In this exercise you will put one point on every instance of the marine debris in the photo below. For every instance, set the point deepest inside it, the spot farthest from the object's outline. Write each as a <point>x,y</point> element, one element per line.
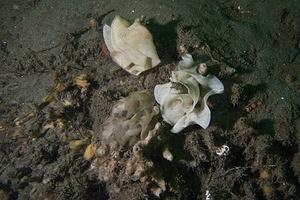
<point>183,101</point>
<point>223,150</point>
<point>130,46</point>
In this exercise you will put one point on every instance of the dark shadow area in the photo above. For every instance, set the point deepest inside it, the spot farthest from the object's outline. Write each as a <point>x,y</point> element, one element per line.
<point>223,113</point>
<point>265,127</point>
<point>286,153</point>
<point>100,18</point>
<point>7,191</point>
<point>291,178</point>
<point>242,70</point>
<point>165,39</point>
<point>281,150</point>
<point>226,117</point>
<point>174,172</point>
<point>202,58</point>
<point>95,189</point>
<point>252,90</point>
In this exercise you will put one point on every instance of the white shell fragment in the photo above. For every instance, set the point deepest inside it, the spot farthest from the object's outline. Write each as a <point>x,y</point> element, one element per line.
<point>130,46</point>
<point>183,101</point>
<point>167,154</point>
<point>223,150</point>
<point>207,195</point>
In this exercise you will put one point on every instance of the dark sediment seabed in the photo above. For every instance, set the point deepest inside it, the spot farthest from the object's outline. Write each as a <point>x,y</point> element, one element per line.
<point>46,42</point>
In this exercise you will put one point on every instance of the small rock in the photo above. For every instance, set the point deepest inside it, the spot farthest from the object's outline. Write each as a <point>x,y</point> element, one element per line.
<point>93,23</point>
<point>167,155</point>
<point>183,49</point>
<point>90,152</point>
